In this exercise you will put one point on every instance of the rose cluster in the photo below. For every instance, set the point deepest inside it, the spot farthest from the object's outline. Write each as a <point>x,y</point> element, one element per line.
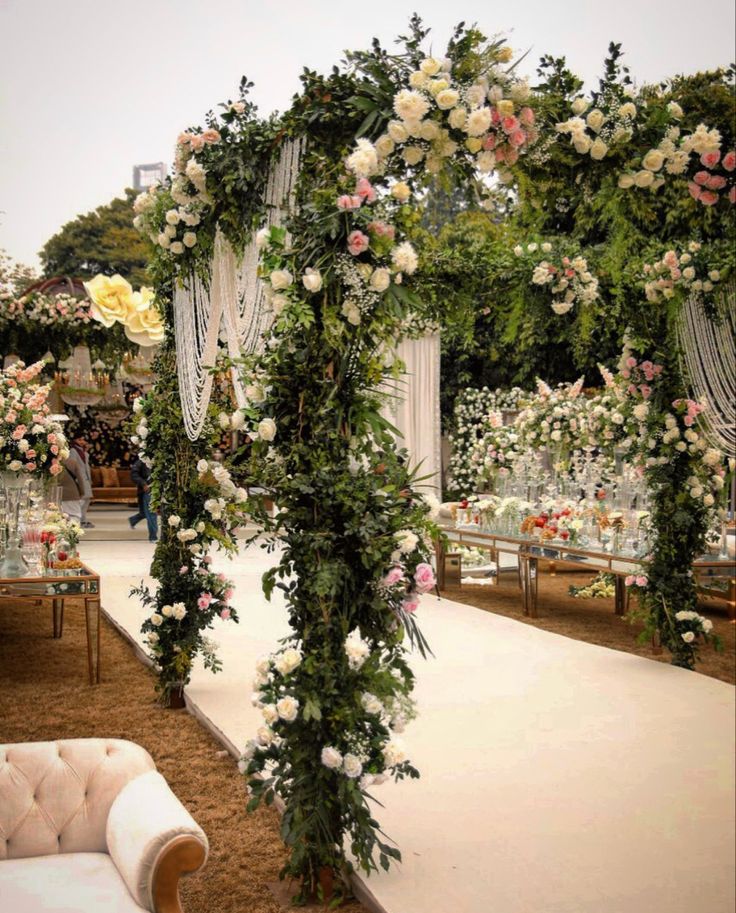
<point>568,278</point>
<point>31,440</point>
<point>684,272</point>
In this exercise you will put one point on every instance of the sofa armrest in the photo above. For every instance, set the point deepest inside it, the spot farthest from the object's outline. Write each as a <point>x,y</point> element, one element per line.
<point>153,841</point>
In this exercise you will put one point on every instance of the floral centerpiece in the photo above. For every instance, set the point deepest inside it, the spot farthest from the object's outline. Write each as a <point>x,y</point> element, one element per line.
<point>557,419</point>
<point>31,440</point>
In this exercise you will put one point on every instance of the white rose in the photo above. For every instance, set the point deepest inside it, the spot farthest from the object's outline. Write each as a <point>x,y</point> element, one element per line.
<point>418,80</point>
<point>688,637</point>
<point>595,119</point>
<point>393,753</point>
<point>176,247</point>
<point>380,279</point>
<point>156,619</point>
<point>263,238</point>
<point>709,500</point>
<point>675,110</point>
<point>398,132</point>
<point>287,708</point>
<point>385,146</point>
<point>189,239</point>
<point>430,66</point>
<point>312,280</point>
<point>237,420</point>
<point>179,610</point>
<point>447,99</point>
<point>485,161</point>
<point>644,178</point>
<point>270,713</point>
<point>413,155</point>
<point>406,540</point>
<point>331,757</point>
<point>653,160</point>
<point>546,247</point>
<point>352,766</point>
<point>628,109</point>
<point>267,429</point>
<point>363,162</point>
<point>579,105</point>
<point>598,149</point>
<point>281,279</point>
<point>255,393</point>
<point>457,118</point>
<point>287,661</point>
<point>174,520</point>
<point>172,217</point>
<point>371,704</point>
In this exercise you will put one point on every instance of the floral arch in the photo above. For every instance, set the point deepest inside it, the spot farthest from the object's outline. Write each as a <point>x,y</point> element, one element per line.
<point>338,289</point>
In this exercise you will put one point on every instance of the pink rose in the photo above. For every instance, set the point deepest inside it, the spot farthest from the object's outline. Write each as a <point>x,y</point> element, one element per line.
<point>631,389</point>
<point>510,124</point>
<point>30,454</point>
<point>489,142</point>
<point>225,614</point>
<point>630,580</point>
<point>512,156</point>
<point>708,198</point>
<point>716,182</point>
<point>56,468</point>
<point>364,189</point>
<point>642,580</point>
<point>517,138</point>
<point>347,202</point>
<point>689,421</point>
<point>30,467</point>
<point>701,177</point>
<point>410,604</point>
<point>500,153</point>
<point>183,569</point>
<point>394,576</point>
<point>204,600</point>
<point>729,161</point>
<point>631,362</point>
<point>357,242</point>
<point>646,392</point>
<point>526,116</point>
<point>19,432</point>
<point>221,577</point>
<point>211,136</point>
<point>227,595</point>
<point>208,559</point>
<point>732,194</point>
<point>54,449</point>
<point>197,142</point>
<point>710,159</point>
<point>424,578</point>
<point>694,190</point>
<point>382,229</point>
<point>495,116</point>
<point>626,374</point>
<point>183,139</point>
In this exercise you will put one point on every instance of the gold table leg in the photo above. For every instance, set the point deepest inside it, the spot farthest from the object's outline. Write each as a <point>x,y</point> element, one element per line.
<point>92,621</point>
<point>58,610</point>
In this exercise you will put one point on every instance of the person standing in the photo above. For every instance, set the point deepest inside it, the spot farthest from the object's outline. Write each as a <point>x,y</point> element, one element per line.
<point>140,474</point>
<point>78,449</point>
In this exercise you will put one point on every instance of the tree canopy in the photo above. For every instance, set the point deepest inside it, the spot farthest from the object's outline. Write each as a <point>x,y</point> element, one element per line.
<point>102,241</point>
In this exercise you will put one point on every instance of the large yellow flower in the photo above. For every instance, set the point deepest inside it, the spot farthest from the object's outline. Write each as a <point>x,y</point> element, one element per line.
<point>111,298</point>
<point>143,326</point>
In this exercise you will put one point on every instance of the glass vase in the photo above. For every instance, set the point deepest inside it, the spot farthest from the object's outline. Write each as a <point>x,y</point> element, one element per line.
<point>15,487</point>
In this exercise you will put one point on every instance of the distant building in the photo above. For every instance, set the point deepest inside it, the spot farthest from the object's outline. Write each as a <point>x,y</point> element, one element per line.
<point>146,175</point>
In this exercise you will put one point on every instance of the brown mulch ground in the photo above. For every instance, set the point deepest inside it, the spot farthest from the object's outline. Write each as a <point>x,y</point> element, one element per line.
<point>593,620</point>
<point>44,695</point>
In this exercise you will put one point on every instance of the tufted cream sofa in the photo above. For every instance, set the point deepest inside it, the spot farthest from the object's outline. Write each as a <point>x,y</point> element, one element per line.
<point>90,826</point>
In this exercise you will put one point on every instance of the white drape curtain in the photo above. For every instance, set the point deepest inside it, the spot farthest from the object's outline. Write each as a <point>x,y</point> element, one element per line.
<point>415,409</point>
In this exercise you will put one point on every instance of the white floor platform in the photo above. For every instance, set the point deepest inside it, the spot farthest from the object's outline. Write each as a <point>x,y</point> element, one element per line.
<point>557,777</point>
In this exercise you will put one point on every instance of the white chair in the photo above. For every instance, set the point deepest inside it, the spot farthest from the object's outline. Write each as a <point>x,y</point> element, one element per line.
<point>90,826</point>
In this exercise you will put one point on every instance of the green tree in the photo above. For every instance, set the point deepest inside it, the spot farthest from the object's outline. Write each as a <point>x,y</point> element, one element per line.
<point>15,277</point>
<point>102,241</point>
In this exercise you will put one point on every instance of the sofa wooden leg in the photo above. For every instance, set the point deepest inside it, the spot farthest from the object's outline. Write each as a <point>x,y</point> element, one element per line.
<point>182,856</point>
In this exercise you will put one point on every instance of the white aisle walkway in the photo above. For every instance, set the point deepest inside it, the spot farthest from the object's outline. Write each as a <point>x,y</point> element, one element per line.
<point>557,776</point>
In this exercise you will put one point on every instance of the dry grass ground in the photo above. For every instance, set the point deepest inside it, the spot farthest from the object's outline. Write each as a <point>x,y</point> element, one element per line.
<point>44,695</point>
<point>593,620</point>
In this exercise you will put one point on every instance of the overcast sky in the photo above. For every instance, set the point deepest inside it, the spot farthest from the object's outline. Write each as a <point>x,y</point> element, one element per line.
<point>92,87</point>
